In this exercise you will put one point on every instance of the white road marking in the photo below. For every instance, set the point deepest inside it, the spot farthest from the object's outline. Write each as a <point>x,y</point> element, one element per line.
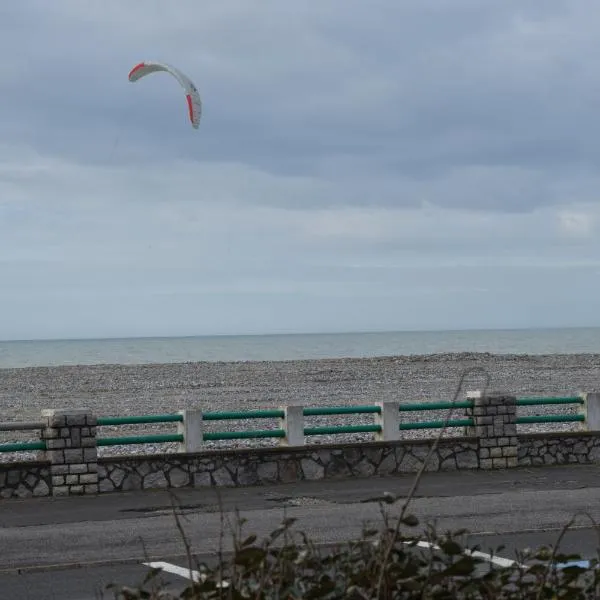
<point>498,560</point>
<point>195,576</point>
<point>184,572</point>
<point>177,570</point>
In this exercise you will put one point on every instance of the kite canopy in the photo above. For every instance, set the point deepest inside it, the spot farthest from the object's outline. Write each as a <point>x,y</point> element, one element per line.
<point>191,92</point>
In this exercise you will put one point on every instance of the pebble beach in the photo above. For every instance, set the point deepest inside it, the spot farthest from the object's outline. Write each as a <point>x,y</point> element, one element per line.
<point>119,390</point>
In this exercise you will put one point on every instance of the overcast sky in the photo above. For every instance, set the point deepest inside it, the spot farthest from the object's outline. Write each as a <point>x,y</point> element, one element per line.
<point>382,165</point>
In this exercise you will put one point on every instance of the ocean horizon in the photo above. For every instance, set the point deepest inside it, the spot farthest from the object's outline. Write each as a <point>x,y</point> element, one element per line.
<point>295,346</point>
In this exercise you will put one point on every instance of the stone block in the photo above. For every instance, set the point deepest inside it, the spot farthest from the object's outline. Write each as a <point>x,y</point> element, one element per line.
<point>202,479</point>
<point>72,479</point>
<point>55,444</point>
<point>58,480</point>
<point>222,477</point>
<point>496,453</point>
<point>488,442</point>
<point>76,490</point>
<point>75,437</point>
<point>312,470</point>
<point>179,477</point>
<point>267,472</point>
<point>90,455</point>
<point>65,432</point>
<point>60,490</point>
<point>56,456</point>
<point>55,421</point>
<point>467,459</point>
<point>509,451</point>
<point>486,463</point>
<point>156,480</point>
<point>74,455</point>
<point>106,485</point>
<point>76,420</point>
<point>90,488</point>
<point>88,478</point>
<point>499,463</point>
<point>131,481</point>
<point>41,489</point>
<point>91,420</point>
<point>88,442</point>
<point>78,468</point>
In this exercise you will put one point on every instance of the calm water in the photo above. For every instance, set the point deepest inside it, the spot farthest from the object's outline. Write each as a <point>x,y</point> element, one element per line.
<point>286,347</point>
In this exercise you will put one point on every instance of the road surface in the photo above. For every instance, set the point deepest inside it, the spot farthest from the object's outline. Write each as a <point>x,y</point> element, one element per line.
<point>71,548</point>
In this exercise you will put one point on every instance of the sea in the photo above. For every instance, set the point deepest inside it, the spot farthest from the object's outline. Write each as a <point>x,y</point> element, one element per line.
<point>33,353</point>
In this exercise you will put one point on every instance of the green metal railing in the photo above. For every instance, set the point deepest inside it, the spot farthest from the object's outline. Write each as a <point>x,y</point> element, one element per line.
<point>564,400</point>
<point>22,446</point>
<point>308,431</point>
<point>136,420</point>
<point>549,401</point>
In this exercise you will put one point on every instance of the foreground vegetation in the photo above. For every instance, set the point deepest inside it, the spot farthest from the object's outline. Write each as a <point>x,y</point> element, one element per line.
<point>392,562</point>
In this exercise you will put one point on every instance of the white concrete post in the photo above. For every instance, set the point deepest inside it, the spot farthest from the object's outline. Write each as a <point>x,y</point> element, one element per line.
<point>591,410</point>
<point>389,420</point>
<point>293,425</point>
<point>191,429</point>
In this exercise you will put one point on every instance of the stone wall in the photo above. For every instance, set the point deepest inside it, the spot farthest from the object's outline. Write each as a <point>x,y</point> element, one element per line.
<point>25,480</point>
<point>559,448</point>
<point>263,466</point>
<point>278,465</point>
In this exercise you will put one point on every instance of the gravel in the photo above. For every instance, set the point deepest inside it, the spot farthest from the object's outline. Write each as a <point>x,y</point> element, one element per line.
<point>119,390</point>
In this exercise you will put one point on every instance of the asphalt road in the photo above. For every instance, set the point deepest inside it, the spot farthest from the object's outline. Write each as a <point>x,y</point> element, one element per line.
<point>71,548</point>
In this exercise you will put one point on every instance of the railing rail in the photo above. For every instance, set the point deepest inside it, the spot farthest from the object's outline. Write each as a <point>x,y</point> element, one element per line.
<point>280,414</point>
<point>21,426</point>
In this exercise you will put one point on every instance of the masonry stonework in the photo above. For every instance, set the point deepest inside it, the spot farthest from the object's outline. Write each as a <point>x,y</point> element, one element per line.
<point>230,468</point>
<point>495,428</point>
<point>70,438</point>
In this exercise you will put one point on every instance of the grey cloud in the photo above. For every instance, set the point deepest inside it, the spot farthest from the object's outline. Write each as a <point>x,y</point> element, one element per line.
<point>418,89</point>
